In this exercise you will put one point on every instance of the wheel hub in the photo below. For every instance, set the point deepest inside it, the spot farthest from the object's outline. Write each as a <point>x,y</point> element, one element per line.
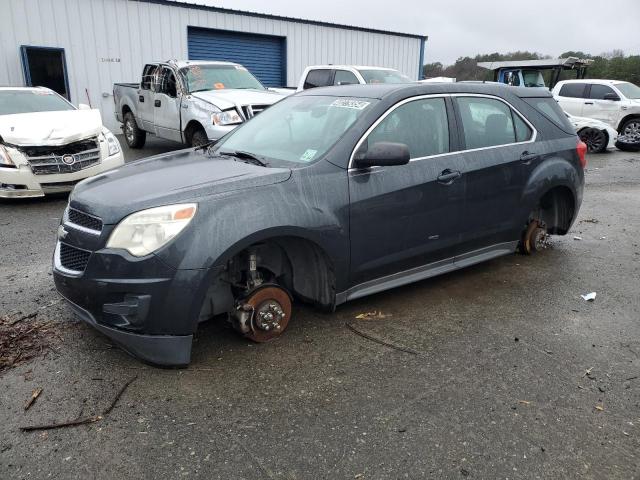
<point>632,128</point>
<point>264,314</point>
<point>269,316</point>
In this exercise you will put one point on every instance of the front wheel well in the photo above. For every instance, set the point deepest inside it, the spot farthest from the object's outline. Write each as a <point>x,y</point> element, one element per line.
<point>192,127</point>
<point>556,210</point>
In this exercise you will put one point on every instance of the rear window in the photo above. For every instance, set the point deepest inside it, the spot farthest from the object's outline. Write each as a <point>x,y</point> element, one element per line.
<point>549,108</point>
<point>318,78</point>
<point>573,90</point>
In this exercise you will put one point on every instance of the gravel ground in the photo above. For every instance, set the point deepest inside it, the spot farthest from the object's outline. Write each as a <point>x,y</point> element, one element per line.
<point>512,374</point>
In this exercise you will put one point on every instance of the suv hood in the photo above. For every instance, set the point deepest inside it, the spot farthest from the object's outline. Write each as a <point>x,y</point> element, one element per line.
<point>165,179</point>
<point>229,98</point>
<point>49,128</point>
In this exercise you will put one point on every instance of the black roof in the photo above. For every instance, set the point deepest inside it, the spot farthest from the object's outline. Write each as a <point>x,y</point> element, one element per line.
<point>381,90</point>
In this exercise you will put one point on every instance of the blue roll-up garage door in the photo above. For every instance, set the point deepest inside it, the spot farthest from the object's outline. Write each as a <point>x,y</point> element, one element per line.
<point>263,55</point>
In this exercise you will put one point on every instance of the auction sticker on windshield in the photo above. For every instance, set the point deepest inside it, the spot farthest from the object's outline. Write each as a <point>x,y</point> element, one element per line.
<point>308,155</point>
<point>349,103</point>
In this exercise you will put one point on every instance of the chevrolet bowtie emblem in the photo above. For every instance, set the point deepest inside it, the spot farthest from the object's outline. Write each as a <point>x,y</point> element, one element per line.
<point>62,233</point>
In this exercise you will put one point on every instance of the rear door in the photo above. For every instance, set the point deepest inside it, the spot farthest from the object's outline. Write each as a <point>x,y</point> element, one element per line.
<point>145,98</point>
<point>166,106</point>
<point>571,97</point>
<point>499,151</point>
<point>595,106</point>
<point>408,216</point>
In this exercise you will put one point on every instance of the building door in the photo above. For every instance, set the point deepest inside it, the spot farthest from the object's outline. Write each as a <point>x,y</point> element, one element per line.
<point>263,55</point>
<point>45,67</point>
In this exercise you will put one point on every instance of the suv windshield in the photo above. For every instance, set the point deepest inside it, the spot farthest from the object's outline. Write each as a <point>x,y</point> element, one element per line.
<point>532,78</point>
<point>384,76</point>
<point>629,90</point>
<point>30,101</point>
<point>217,77</point>
<point>298,130</point>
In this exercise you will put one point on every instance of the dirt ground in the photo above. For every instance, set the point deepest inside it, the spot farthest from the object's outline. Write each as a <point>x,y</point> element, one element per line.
<point>508,373</point>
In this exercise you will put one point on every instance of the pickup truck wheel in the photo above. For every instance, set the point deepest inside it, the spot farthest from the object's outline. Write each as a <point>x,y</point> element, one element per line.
<point>198,138</point>
<point>631,127</point>
<point>270,308</point>
<point>133,135</point>
<point>595,139</point>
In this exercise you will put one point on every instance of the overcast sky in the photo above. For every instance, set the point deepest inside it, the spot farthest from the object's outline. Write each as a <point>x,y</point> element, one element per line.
<point>466,27</point>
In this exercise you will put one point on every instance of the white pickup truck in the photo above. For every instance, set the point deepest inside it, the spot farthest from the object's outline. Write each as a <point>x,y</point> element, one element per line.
<point>192,102</point>
<point>326,75</point>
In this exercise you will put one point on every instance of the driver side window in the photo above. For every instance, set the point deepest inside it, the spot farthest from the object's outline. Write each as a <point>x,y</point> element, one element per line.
<point>167,83</point>
<point>420,124</point>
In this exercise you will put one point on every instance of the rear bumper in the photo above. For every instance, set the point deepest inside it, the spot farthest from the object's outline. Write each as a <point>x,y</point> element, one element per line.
<point>162,350</point>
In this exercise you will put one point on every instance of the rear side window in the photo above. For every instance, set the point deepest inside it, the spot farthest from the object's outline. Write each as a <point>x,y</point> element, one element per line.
<point>599,91</point>
<point>573,90</point>
<point>343,77</point>
<point>147,76</point>
<point>421,125</point>
<point>488,123</point>
<point>549,108</point>
<point>318,78</point>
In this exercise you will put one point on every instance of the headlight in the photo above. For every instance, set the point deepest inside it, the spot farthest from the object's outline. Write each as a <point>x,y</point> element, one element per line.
<point>228,117</point>
<point>112,143</point>
<point>144,232</point>
<point>5,158</point>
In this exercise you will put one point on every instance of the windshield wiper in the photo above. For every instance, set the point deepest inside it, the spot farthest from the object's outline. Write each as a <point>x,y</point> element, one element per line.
<point>251,157</point>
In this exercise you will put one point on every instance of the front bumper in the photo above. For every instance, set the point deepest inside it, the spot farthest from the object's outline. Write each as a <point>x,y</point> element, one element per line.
<point>22,183</point>
<point>216,132</point>
<point>147,307</point>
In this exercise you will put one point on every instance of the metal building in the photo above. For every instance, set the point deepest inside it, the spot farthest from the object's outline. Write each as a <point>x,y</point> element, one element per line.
<point>81,47</point>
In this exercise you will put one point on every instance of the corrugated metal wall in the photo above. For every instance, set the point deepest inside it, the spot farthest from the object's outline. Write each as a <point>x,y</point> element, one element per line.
<point>109,41</point>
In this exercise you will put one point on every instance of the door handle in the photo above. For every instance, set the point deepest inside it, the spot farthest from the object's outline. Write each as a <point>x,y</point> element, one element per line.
<point>527,156</point>
<point>141,98</point>
<point>588,103</point>
<point>447,176</point>
<point>157,103</point>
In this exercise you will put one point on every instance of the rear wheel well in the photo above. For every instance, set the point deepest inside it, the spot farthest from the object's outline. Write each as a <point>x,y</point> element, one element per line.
<point>125,110</point>
<point>556,209</point>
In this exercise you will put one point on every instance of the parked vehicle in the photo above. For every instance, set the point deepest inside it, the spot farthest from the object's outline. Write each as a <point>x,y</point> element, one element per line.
<point>529,73</point>
<point>611,101</point>
<point>597,135</point>
<point>327,196</point>
<point>47,145</point>
<point>192,102</point>
<point>328,75</point>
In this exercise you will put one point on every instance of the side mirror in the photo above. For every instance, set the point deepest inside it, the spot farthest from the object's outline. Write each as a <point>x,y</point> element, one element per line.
<point>383,154</point>
<point>611,96</point>
<point>83,106</point>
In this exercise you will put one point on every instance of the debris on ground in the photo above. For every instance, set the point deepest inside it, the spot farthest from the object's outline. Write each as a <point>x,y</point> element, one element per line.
<point>589,297</point>
<point>577,238</point>
<point>590,220</point>
<point>375,315</point>
<point>524,402</point>
<point>85,420</point>
<point>380,341</point>
<point>34,395</point>
<point>600,408</point>
<point>21,340</point>
<point>587,372</point>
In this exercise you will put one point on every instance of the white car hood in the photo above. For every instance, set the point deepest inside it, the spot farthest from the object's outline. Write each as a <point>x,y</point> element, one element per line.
<point>50,128</point>
<point>229,98</point>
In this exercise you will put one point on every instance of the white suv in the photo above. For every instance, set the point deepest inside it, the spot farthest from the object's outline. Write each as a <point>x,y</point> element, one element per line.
<point>611,101</point>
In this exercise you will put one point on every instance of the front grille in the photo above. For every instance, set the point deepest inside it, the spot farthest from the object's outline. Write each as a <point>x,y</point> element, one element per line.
<point>73,157</point>
<point>73,258</point>
<point>84,220</point>
<point>250,111</point>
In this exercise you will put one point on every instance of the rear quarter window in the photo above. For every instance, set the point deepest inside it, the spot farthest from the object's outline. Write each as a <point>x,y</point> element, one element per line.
<point>318,78</point>
<point>572,90</point>
<point>550,109</point>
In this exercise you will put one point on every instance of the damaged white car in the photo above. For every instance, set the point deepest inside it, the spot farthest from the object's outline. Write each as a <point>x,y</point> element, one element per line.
<point>597,135</point>
<point>47,145</point>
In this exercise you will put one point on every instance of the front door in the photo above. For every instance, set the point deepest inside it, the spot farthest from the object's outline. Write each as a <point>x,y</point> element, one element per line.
<point>144,112</point>
<point>595,106</point>
<point>166,106</point>
<point>407,216</point>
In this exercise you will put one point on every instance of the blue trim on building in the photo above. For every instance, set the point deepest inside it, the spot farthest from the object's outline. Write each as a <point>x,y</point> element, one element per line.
<point>178,3</point>
<point>421,66</point>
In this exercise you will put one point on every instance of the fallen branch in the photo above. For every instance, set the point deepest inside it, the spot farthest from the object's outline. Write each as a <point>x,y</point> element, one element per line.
<point>380,341</point>
<point>35,394</point>
<point>86,420</point>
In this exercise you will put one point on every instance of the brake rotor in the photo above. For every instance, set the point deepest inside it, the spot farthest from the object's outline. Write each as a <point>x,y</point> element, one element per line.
<point>271,313</point>
<point>535,238</point>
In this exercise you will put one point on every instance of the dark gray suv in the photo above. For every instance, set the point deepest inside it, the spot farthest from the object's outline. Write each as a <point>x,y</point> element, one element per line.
<point>329,195</point>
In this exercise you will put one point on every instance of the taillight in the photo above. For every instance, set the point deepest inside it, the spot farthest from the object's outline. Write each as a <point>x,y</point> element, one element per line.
<point>581,148</point>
